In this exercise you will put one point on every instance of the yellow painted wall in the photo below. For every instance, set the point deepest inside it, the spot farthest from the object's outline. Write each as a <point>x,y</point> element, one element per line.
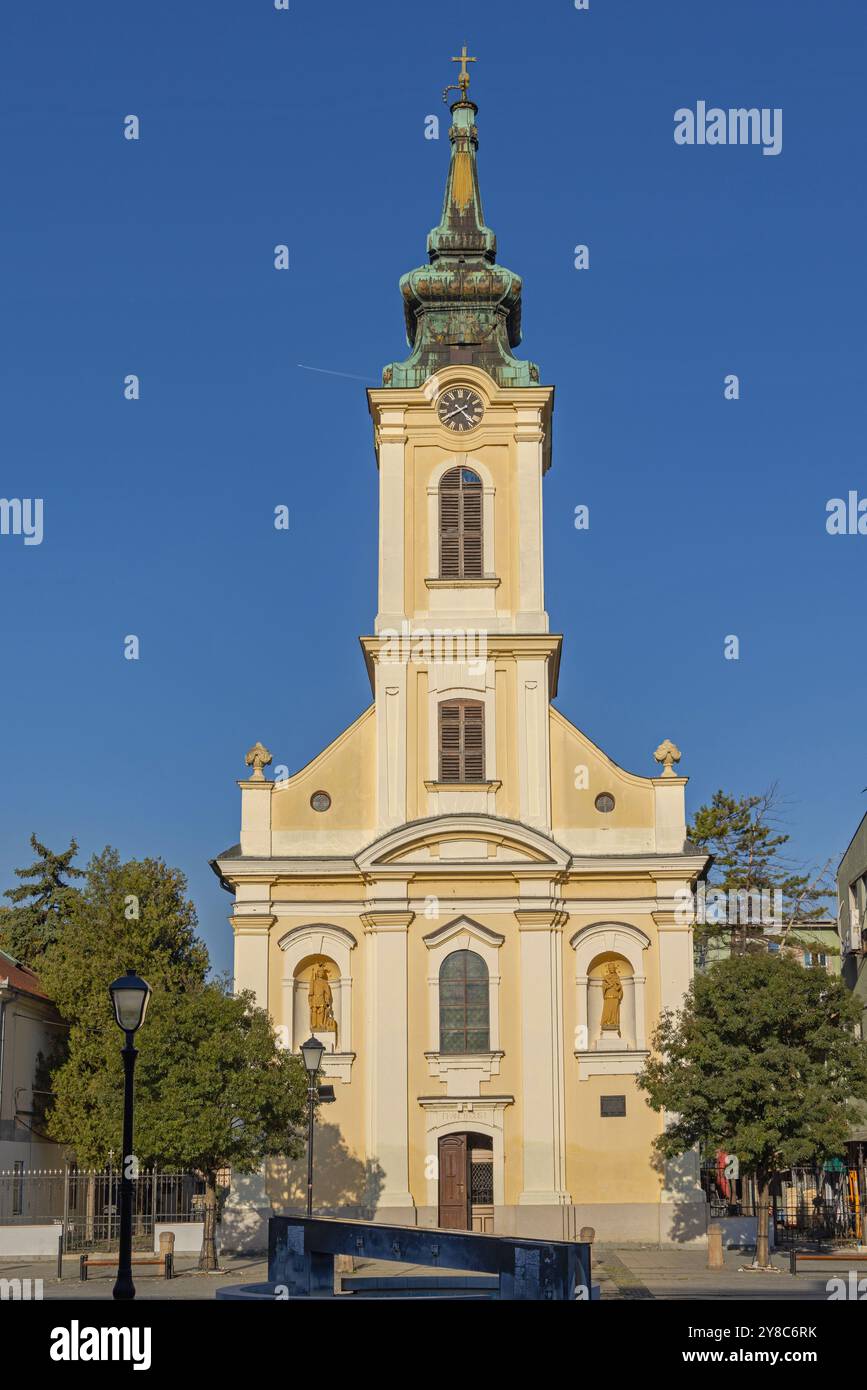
<point>346,769</point>
<point>570,748</point>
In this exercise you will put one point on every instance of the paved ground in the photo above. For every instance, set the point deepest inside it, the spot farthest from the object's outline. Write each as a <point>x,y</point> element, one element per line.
<point>625,1273</point>
<point>188,1283</point>
<point>648,1273</point>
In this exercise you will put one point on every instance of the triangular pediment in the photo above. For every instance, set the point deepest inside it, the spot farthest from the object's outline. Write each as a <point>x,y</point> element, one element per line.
<point>463,927</point>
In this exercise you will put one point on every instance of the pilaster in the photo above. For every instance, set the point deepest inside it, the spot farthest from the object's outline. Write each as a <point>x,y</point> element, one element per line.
<point>542,1057</point>
<point>386,1051</point>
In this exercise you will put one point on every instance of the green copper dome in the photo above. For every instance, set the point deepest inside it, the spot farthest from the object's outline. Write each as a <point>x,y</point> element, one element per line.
<point>462,307</point>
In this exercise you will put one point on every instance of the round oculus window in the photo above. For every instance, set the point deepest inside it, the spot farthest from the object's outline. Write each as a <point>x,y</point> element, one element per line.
<point>604,802</point>
<point>320,801</point>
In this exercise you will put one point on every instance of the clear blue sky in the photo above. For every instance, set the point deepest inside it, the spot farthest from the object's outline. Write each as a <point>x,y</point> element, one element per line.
<point>307,127</point>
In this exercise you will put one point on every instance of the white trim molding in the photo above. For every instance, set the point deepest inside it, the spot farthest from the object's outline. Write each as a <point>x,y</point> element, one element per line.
<point>460,1115</point>
<point>623,939</point>
<point>462,1073</point>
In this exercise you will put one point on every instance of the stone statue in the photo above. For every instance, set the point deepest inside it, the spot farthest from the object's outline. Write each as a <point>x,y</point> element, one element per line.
<point>612,996</point>
<point>321,1002</point>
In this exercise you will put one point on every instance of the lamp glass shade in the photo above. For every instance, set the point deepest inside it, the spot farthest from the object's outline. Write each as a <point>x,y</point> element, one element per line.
<point>129,997</point>
<point>312,1051</point>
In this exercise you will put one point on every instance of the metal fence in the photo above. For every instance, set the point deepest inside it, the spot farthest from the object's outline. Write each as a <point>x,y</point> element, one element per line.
<point>87,1202</point>
<point>825,1208</point>
<point>822,1206</point>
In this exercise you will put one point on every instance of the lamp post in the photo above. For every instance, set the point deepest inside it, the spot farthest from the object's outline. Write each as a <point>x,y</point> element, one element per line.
<point>311,1053</point>
<point>129,997</point>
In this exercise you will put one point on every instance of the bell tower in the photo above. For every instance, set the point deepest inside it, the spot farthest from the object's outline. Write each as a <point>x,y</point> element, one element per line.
<point>462,663</point>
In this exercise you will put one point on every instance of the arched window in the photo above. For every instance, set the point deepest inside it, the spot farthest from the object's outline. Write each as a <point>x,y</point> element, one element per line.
<point>461,525</point>
<point>462,741</point>
<point>464,1014</point>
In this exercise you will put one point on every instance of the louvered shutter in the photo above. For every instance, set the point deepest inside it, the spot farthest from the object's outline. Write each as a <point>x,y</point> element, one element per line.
<point>450,525</point>
<point>450,742</point>
<point>471,525</point>
<point>462,741</point>
<point>461,525</point>
<point>473,742</point>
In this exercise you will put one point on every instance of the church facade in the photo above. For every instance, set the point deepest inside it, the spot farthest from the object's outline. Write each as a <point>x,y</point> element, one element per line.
<point>462,896</point>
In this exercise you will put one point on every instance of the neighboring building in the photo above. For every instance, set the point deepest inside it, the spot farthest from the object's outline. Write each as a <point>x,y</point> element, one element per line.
<point>29,1030</point>
<point>852,927</point>
<point>464,897</point>
<point>812,943</point>
<point>852,916</point>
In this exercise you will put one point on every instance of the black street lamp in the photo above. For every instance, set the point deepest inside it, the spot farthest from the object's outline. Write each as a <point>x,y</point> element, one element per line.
<point>129,997</point>
<point>311,1052</point>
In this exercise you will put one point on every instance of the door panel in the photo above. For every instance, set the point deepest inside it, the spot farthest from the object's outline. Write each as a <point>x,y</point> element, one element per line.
<point>454,1196</point>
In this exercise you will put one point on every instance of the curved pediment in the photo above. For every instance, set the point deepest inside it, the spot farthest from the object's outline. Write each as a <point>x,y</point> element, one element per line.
<point>472,840</point>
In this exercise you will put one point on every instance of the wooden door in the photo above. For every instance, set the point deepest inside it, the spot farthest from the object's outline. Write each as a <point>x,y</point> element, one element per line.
<point>454,1187</point>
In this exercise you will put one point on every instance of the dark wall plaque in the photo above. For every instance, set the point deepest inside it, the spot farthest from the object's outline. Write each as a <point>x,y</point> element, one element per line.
<point>612,1105</point>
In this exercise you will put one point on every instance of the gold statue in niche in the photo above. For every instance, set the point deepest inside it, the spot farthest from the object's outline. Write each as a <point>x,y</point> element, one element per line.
<point>321,1001</point>
<point>612,998</point>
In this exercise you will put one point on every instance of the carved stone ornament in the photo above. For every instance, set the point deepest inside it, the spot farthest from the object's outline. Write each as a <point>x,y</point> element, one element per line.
<point>258,758</point>
<point>667,753</point>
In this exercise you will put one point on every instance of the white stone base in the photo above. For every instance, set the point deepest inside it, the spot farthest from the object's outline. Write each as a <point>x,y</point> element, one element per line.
<point>38,1242</point>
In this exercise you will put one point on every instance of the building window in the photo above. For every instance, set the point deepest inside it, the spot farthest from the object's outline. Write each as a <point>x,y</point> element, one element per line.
<point>462,741</point>
<point>604,802</point>
<point>464,1009</point>
<point>461,525</point>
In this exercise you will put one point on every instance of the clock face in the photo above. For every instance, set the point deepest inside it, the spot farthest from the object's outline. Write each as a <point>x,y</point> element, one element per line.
<point>460,409</point>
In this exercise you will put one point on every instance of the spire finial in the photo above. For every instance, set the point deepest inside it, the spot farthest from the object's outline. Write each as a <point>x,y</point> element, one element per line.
<point>463,75</point>
<point>462,307</point>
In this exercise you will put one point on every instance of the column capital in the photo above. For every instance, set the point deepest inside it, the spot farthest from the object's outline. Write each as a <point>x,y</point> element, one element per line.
<point>386,919</point>
<point>666,919</point>
<point>551,918</point>
<point>250,924</point>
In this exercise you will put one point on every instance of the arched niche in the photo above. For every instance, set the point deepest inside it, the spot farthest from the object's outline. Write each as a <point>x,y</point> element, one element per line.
<point>596,948</point>
<point>305,948</point>
<point>605,965</point>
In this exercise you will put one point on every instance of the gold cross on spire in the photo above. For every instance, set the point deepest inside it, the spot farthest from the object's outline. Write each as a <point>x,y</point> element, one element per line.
<point>464,76</point>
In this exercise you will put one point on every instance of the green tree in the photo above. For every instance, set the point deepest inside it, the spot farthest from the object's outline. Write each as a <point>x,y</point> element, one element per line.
<point>213,1089</point>
<point>220,1091</point>
<point>126,914</point>
<point>42,902</point>
<point>748,848</point>
<point>762,1062</point>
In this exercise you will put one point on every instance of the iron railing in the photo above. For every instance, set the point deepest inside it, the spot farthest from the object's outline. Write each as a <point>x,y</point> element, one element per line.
<point>821,1205</point>
<point>87,1202</point>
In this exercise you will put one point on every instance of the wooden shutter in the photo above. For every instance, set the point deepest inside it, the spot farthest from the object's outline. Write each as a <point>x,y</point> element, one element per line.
<point>462,741</point>
<point>473,742</point>
<point>461,525</point>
